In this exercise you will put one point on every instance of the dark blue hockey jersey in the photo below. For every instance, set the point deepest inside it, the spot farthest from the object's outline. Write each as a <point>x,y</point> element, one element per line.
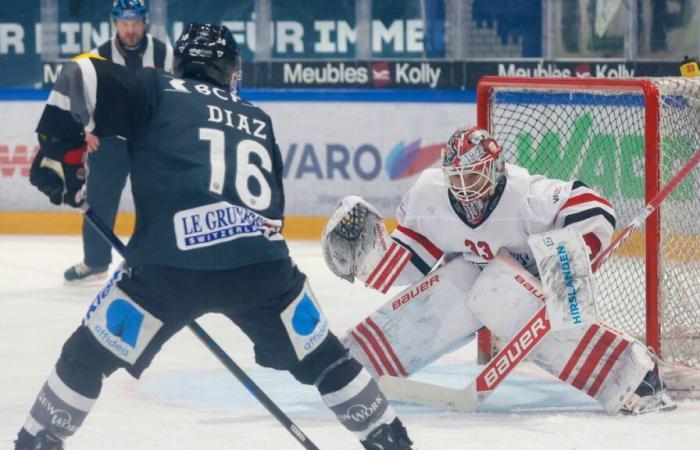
<point>206,170</point>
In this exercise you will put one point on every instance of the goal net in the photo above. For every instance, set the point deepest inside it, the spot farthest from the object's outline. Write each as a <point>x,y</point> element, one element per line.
<point>626,139</point>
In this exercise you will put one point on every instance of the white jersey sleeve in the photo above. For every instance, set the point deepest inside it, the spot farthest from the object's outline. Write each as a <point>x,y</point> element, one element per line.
<point>542,202</point>
<point>553,204</point>
<point>424,253</point>
<point>591,214</point>
<point>410,255</point>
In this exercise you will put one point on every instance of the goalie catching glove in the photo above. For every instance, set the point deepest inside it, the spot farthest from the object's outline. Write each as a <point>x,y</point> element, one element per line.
<point>59,173</point>
<point>354,240</point>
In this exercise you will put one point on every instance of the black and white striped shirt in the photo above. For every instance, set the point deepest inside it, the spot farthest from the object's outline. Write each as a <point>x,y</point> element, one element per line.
<point>151,53</point>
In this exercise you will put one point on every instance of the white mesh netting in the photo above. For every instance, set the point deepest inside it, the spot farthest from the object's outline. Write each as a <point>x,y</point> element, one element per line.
<point>597,135</point>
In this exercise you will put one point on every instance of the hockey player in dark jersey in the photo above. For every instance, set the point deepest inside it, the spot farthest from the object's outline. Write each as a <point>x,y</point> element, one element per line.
<point>207,183</point>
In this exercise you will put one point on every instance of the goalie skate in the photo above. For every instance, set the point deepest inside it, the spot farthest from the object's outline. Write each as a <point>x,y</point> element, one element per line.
<point>650,396</point>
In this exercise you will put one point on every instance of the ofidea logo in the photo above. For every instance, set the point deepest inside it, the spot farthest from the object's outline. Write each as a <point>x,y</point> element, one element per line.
<point>124,321</point>
<point>404,161</point>
<point>306,316</point>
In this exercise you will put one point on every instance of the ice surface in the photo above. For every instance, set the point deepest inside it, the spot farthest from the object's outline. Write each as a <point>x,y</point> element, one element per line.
<point>187,400</point>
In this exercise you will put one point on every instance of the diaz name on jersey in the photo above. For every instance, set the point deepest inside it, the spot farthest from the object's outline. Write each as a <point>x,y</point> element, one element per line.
<point>206,169</point>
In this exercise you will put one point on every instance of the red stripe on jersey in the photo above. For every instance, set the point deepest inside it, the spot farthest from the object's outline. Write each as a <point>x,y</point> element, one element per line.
<point>576,355</point>
<point>422,240</point>
<point>583,198</point>
<point>405,258</point>
<point>388,347</point>
<point>593,359</point>
<point>607,367</point>
<point>380,265</point>
<point>387,270</point>
<point>377,349</point>
<point>373,361</point>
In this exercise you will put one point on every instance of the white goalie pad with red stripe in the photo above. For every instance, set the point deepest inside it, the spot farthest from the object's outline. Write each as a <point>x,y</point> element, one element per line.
<point>418,325</point>
<point>601,362</point>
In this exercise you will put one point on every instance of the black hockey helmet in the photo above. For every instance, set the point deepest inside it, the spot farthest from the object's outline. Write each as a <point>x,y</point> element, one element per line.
<point>209,53</point>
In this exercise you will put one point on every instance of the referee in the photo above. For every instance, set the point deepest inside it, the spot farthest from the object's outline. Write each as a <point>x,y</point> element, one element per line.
<point>109,165</point>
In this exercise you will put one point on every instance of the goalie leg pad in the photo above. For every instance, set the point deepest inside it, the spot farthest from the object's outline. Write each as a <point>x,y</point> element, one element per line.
<point>602,363</point>
<point>418,325</point>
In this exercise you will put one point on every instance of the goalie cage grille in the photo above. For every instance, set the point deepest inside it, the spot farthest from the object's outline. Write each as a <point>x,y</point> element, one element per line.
<point>626,139</point>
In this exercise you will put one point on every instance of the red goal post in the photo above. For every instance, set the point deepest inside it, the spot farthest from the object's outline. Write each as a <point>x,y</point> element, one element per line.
<point>623,137</point>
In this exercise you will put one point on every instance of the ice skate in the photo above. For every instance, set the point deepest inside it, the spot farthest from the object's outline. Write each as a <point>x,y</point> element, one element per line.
<point>81,273</point>
<point>388,437</point>
<point>42,441</point>
<point>650,396</point>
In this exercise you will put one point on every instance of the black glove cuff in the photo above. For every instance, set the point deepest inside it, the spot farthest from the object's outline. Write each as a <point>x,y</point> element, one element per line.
<point>55,148</point>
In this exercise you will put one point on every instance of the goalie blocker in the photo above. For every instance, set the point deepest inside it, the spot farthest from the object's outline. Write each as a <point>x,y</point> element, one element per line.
<point>563,262</point>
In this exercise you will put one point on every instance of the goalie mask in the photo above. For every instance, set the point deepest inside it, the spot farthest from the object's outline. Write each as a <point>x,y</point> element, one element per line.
<point>472,163</point>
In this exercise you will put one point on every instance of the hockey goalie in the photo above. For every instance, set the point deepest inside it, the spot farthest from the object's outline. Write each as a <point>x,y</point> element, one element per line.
<point>483,243</point>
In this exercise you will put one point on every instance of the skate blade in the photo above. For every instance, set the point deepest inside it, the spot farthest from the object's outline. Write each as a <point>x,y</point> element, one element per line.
<point>90,280</point>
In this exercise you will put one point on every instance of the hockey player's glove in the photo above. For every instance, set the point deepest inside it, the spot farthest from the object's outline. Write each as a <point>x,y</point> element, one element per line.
<point>354,240</point>
<point>58,173</point>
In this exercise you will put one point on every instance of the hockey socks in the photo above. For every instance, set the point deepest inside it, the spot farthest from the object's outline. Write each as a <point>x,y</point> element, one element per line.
<point>58,410</point>
<point>354,397</point>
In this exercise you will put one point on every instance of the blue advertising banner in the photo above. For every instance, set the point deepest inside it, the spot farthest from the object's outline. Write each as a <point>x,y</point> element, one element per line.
<point>313,29</point>
<point>313,45</point>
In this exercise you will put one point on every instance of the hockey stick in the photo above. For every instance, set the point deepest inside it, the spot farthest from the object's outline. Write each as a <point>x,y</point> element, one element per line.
<point>524,341</point>
<point>107,233</point>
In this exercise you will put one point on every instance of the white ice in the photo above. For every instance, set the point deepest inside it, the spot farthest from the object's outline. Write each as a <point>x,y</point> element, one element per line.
<point>187,400</point>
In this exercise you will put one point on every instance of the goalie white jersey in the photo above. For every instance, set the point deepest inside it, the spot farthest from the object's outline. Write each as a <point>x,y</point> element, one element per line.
<point>432,222</point>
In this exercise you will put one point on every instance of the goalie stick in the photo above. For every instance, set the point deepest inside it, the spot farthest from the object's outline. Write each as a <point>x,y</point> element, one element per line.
<point>108,235</point>
<point>532,333</point>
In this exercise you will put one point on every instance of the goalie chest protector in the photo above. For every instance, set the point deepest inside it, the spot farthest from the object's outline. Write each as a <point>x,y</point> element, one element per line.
<point>528,205</point>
